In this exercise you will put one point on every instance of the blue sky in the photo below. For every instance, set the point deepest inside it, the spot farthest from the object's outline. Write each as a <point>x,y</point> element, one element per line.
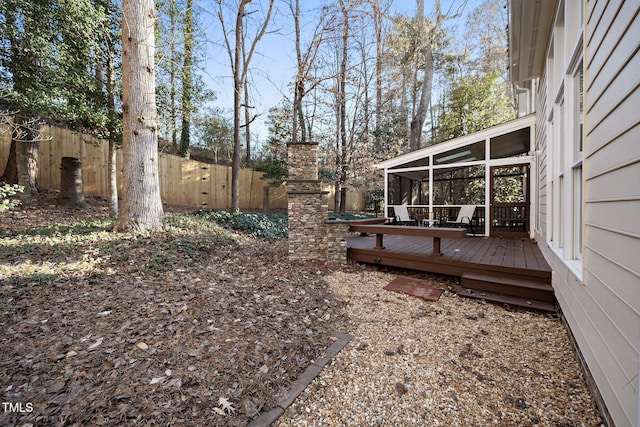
<point>273,65</point>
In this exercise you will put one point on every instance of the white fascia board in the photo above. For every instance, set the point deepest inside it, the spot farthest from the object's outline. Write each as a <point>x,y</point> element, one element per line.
<point>443,166</point>
<point>452,144</point>
<point>412,169</point>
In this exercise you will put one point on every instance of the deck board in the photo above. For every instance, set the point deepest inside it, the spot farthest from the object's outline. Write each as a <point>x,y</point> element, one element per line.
<point>511,257</point>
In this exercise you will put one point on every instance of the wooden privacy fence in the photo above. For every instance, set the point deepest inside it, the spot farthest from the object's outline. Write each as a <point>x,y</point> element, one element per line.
<point>183,182</point>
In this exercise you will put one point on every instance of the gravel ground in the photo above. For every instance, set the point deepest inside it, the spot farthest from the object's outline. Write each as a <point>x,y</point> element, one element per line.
<point>455,362</point>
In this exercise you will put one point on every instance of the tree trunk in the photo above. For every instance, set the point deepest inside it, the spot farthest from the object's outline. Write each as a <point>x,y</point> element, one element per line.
<point>22,162</point>
<point>10,175</point>
<point>343,199</point>
<point>239,66</point>
<point>427,41</point>
<point>238,82</point>
<point>420,116</point>
<point>111,100</point>
<point>297,118</point>
<point>266,204</point>
<point>173,115</point>
<point>247,126</point>
<point>342,101</point>
<point>113,179</point>
<point>26,137</point>
<point>141,203</point>
<point>187,86</point>
<point>377,19</point>
<point>71,188</point>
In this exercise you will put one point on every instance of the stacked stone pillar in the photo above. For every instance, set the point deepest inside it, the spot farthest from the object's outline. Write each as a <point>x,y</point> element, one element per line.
<point>308,204</point>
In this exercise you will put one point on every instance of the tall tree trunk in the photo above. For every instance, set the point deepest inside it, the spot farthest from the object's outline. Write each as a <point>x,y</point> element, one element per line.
<point>10,175</point>
<point>113,179</point>
<point>377,25</point>
<point>247,125</point>
<point>239,66</point>
<point>297,118</point>
<point>187,82</point>
<point>111,97</point>
<point>342,101</point>
<point>428,38</point>
<point>26,134</point>
<point>22,160</point>
<point>173,115</point>
<point>417,123</point>
<point>141,203</point>
<point>238,81</point>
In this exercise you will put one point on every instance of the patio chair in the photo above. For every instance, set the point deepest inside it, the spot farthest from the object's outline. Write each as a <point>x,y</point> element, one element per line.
<point>464,219</point>
<point>402,216</point>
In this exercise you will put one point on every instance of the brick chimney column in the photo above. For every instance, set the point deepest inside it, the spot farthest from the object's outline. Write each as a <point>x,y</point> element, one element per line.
<point>308,204</point>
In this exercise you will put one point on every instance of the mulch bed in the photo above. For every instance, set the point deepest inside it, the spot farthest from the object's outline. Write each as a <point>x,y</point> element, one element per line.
<point>210,342</point>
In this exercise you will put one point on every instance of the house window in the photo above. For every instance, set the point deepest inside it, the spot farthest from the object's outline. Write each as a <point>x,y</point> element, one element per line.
<point>576,166</point>
<point>559,213</point>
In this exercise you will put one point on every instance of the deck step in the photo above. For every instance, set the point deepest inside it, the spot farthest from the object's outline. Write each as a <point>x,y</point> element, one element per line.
<point>529,289</point>
<point>529,304</point>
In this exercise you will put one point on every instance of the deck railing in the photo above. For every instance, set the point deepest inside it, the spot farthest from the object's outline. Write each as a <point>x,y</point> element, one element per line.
<point>444,213</point>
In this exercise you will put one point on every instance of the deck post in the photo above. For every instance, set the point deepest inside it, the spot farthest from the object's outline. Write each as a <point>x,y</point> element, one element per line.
<point>436,246</point>
<point>379,242</point>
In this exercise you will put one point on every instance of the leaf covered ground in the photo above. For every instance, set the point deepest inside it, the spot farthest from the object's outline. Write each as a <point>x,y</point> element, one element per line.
<point>199,325</point>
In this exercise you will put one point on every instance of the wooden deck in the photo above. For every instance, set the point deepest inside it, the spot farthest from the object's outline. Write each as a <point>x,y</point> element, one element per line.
<point>505,257</point>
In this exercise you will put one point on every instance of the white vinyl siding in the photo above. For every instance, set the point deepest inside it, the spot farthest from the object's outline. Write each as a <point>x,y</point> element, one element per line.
<point>596,264</point>
<point>541,155</point>
<point>611,318</point>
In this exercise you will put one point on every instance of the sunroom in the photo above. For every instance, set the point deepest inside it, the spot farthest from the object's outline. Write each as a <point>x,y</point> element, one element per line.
<point>491,170</point>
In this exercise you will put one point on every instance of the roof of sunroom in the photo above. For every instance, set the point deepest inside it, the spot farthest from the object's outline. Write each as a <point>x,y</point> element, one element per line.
<point>454,145</point>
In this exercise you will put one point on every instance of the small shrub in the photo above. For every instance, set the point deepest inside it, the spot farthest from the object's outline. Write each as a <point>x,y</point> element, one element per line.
<point>350,216</point>
<point>7,191</point>
<point>265,226</point>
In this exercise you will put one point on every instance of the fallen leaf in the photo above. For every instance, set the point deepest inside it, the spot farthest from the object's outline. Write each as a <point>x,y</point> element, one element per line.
<point>158,380</point>
<point>96,344</point>
<point>142,346</point>
<point>226,406</point>
<point>176,382</point>
<point>401,388</point>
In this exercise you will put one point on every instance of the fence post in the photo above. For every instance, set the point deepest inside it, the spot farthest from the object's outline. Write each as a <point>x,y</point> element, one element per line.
<point>265,199</point>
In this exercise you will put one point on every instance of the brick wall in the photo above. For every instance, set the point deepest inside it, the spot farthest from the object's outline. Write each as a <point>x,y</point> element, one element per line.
<point>337,232</point>
<point>302,160</point>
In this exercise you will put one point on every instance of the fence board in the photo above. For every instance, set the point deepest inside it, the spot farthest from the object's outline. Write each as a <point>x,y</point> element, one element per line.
<point>183,182</point>
<point>5,145</point>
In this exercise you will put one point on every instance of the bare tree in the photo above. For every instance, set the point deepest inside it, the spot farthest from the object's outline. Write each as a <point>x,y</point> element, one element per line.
<point>427,38</point>
<point>239,68</point>
<point>305,81</point>
<point>247,107</point>
<point>141,203</point>
<point>377,16</point>
<point>342,159</point>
